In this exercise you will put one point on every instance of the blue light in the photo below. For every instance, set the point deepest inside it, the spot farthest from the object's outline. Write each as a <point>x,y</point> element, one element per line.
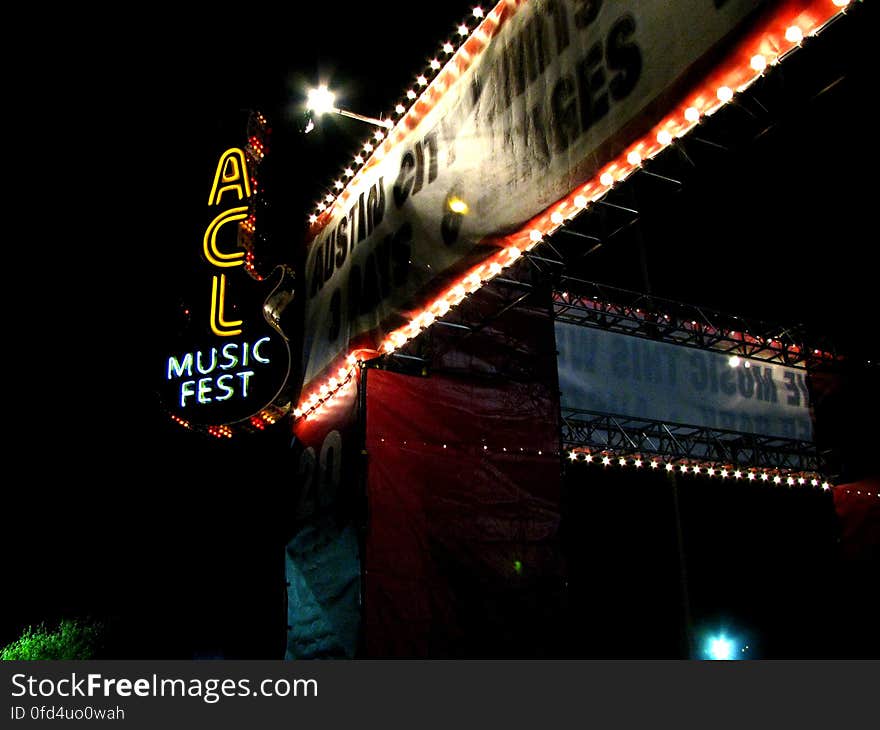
<point>720,647</point>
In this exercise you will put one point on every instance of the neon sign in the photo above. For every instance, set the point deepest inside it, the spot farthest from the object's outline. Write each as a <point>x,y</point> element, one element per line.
<point>230,360</point>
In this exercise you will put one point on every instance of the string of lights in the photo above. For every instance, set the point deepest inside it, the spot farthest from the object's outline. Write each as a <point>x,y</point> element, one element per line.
<point>767,45</point>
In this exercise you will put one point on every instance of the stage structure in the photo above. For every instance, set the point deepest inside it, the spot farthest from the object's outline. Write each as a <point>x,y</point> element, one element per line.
<point>458,350</point>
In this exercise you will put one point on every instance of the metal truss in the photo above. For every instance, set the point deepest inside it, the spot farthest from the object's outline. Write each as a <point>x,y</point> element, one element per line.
<point>624,435</point>
<point>591,304</point>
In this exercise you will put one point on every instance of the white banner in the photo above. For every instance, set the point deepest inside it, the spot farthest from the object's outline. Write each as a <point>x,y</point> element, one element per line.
<point>628,375</point>
<point>561,88</point>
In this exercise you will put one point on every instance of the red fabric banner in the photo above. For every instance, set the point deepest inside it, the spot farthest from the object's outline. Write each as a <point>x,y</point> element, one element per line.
<point>464,502</point>
<point>858,512</point>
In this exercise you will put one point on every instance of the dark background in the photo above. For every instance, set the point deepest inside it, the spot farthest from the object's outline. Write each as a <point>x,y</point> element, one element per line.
<point>175,540</point>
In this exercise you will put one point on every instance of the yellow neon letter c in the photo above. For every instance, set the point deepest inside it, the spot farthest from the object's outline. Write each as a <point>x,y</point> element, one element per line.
<point>212,253</point>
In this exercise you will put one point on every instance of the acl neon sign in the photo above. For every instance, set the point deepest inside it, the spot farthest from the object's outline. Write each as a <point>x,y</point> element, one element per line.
<point>226,363</point>
<point>231,175</point>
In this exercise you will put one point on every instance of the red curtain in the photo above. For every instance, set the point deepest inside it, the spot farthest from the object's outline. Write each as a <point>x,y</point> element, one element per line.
<point>464,506</point>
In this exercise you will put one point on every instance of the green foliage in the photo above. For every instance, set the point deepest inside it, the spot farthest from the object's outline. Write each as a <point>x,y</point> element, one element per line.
<point>72,639</point>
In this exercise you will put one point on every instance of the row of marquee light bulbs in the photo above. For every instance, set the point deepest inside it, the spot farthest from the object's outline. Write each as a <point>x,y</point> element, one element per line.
<point>776,475</point>
<point>750,60</point>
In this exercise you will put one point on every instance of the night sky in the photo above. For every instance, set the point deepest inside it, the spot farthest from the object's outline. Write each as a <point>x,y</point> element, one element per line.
<point>174,540</point>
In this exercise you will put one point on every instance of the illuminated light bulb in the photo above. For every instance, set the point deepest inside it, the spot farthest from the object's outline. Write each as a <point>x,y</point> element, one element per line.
<point>840,3</point>
<point>411,94</point>
<point>351,360</point>
<point>338,184</point>
<point>448,47</point>
<point>313,218</point>
<point>747,364</point>
<point>777,479</point>
<point>696,469</point>
<point>637,463</point>
<point>734,361</point>
<point>513,253</point>
<point>606,461</point>
<point>398,338</point>
<point>535,235</point>
<point>621,461</point>
<point>607,179</point>
<point>634,158</point>
<point>297,412</point>
<point>758,62</point>
<point>427,318</point>
<point>588,458</point>
<point>324,390</point>
<point>435,64</point>
<point>814,482</point>
<point>388,347</point>
<point>801,480</point>
<point>683,468</point>
<point>556,218</point>
<point>663,137</point>
<point>724,473</point>
<point>580,201</point>
<point>478,12</point>
<point>826,486</point>
<point>334,383</point>
<point>789,481</point>
<point>710,471</point>
<point>485,447</point>
<point>793,34</point>
<point>669,467</point>
<point>421,80</point>
<point>458,293</point>
<point>692,114</point>
<point>378,135</point>
<point>457,205</point>
<point>463,30</point>
<point>368,147</point>
<point>738,474</point>
<point>442,307</point>
<point>329,198</point>
<point>444,446</point>
<point>495,268</point>
<point>313,400</point>
<point>654,464</point>
<point>724,94</point>
<point>751,476</point>
<point>348,172</point>
<point>573,456</point>
<point>359,160</point>
<point>764,476</point>
<point>322,207</point>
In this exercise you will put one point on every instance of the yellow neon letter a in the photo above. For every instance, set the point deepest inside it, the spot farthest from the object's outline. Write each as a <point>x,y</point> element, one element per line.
<point>232,175</point>
<point>219,326</point>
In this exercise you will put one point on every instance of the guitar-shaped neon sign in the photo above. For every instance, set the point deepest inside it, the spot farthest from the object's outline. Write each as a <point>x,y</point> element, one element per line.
<point>228,365</point>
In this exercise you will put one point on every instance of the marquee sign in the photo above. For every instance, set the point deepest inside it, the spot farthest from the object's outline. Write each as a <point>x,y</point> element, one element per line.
<point>542,109</point>
<point>230,360</point>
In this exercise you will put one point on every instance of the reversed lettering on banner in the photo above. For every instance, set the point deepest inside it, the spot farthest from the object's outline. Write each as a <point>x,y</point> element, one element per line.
<point>608,372</point>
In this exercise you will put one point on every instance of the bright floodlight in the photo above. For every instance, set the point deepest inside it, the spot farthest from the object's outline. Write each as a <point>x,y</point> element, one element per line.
<point>734,361</point>
<point>720,647</point>
<point>321,100</point>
